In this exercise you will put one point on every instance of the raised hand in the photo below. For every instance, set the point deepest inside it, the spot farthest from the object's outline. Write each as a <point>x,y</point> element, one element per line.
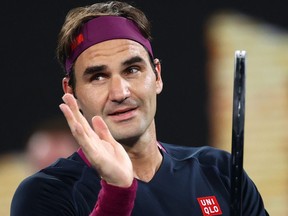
<point>104,153</point>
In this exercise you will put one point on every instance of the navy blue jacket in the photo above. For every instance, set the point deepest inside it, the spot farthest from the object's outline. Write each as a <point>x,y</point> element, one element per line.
<point>190,181</point>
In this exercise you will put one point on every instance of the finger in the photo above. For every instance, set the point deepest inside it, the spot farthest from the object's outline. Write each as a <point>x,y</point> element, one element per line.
<point>72,103</point>
<point>87,143</point>
<point>75,127</point>
<point>68,115</point>
<point>102,129</point>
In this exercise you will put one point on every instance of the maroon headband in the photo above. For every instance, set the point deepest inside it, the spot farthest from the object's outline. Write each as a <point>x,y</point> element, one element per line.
<point>105,28</point>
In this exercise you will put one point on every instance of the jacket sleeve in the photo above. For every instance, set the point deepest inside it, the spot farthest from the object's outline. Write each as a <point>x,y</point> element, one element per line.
<point>38,196</point>
<point>113,200</point>
<point>252,201</point>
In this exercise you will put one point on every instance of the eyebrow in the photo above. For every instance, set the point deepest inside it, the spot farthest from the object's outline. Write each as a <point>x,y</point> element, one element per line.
<point>135,59</point>
<point>100,68</point>
<point>94,69</point>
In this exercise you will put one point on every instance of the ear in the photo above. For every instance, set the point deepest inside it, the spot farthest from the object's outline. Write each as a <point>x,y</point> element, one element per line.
<point>65,85</point>
<point>159,82</point>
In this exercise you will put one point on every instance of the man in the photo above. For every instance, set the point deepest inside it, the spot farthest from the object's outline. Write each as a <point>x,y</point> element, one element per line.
<point>111,86</point>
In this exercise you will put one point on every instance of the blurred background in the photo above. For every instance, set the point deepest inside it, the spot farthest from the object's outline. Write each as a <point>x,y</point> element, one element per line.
<point>196,42</point>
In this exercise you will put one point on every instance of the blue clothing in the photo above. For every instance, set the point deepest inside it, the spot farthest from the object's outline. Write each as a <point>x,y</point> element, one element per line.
<point>190,181</point>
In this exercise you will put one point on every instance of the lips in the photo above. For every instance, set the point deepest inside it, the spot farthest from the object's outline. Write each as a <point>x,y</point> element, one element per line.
<point>123,115</point>
<point>121,111</point>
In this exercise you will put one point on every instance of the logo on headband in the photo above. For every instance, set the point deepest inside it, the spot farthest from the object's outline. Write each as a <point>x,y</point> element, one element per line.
<point>79,40</point>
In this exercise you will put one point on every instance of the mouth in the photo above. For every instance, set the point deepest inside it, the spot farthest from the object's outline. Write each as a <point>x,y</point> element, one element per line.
<point>123,114</point>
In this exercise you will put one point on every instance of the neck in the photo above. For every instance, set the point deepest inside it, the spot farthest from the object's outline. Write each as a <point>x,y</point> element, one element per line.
<point>146,161</point>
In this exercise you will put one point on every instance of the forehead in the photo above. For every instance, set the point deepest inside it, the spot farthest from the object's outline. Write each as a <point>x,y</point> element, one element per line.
<point>116,49</point>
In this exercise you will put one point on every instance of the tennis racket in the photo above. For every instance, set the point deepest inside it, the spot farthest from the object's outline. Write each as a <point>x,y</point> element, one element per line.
<point>238,120</point>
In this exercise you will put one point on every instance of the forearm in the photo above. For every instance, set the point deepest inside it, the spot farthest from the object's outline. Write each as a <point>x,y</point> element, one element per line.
<point>113,200</point>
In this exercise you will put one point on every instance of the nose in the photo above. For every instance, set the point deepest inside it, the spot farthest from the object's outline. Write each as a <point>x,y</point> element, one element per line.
<point>119,89</point>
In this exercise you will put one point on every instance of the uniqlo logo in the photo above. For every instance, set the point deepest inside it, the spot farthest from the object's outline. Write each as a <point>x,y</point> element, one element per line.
<point>209,206</point>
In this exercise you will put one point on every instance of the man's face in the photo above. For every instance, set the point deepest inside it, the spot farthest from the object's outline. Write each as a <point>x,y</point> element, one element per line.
<point>115,80</point>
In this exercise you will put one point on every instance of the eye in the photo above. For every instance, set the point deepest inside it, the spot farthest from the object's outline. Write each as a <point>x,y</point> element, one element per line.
<point>132,70</point>
<point>98,77</point>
